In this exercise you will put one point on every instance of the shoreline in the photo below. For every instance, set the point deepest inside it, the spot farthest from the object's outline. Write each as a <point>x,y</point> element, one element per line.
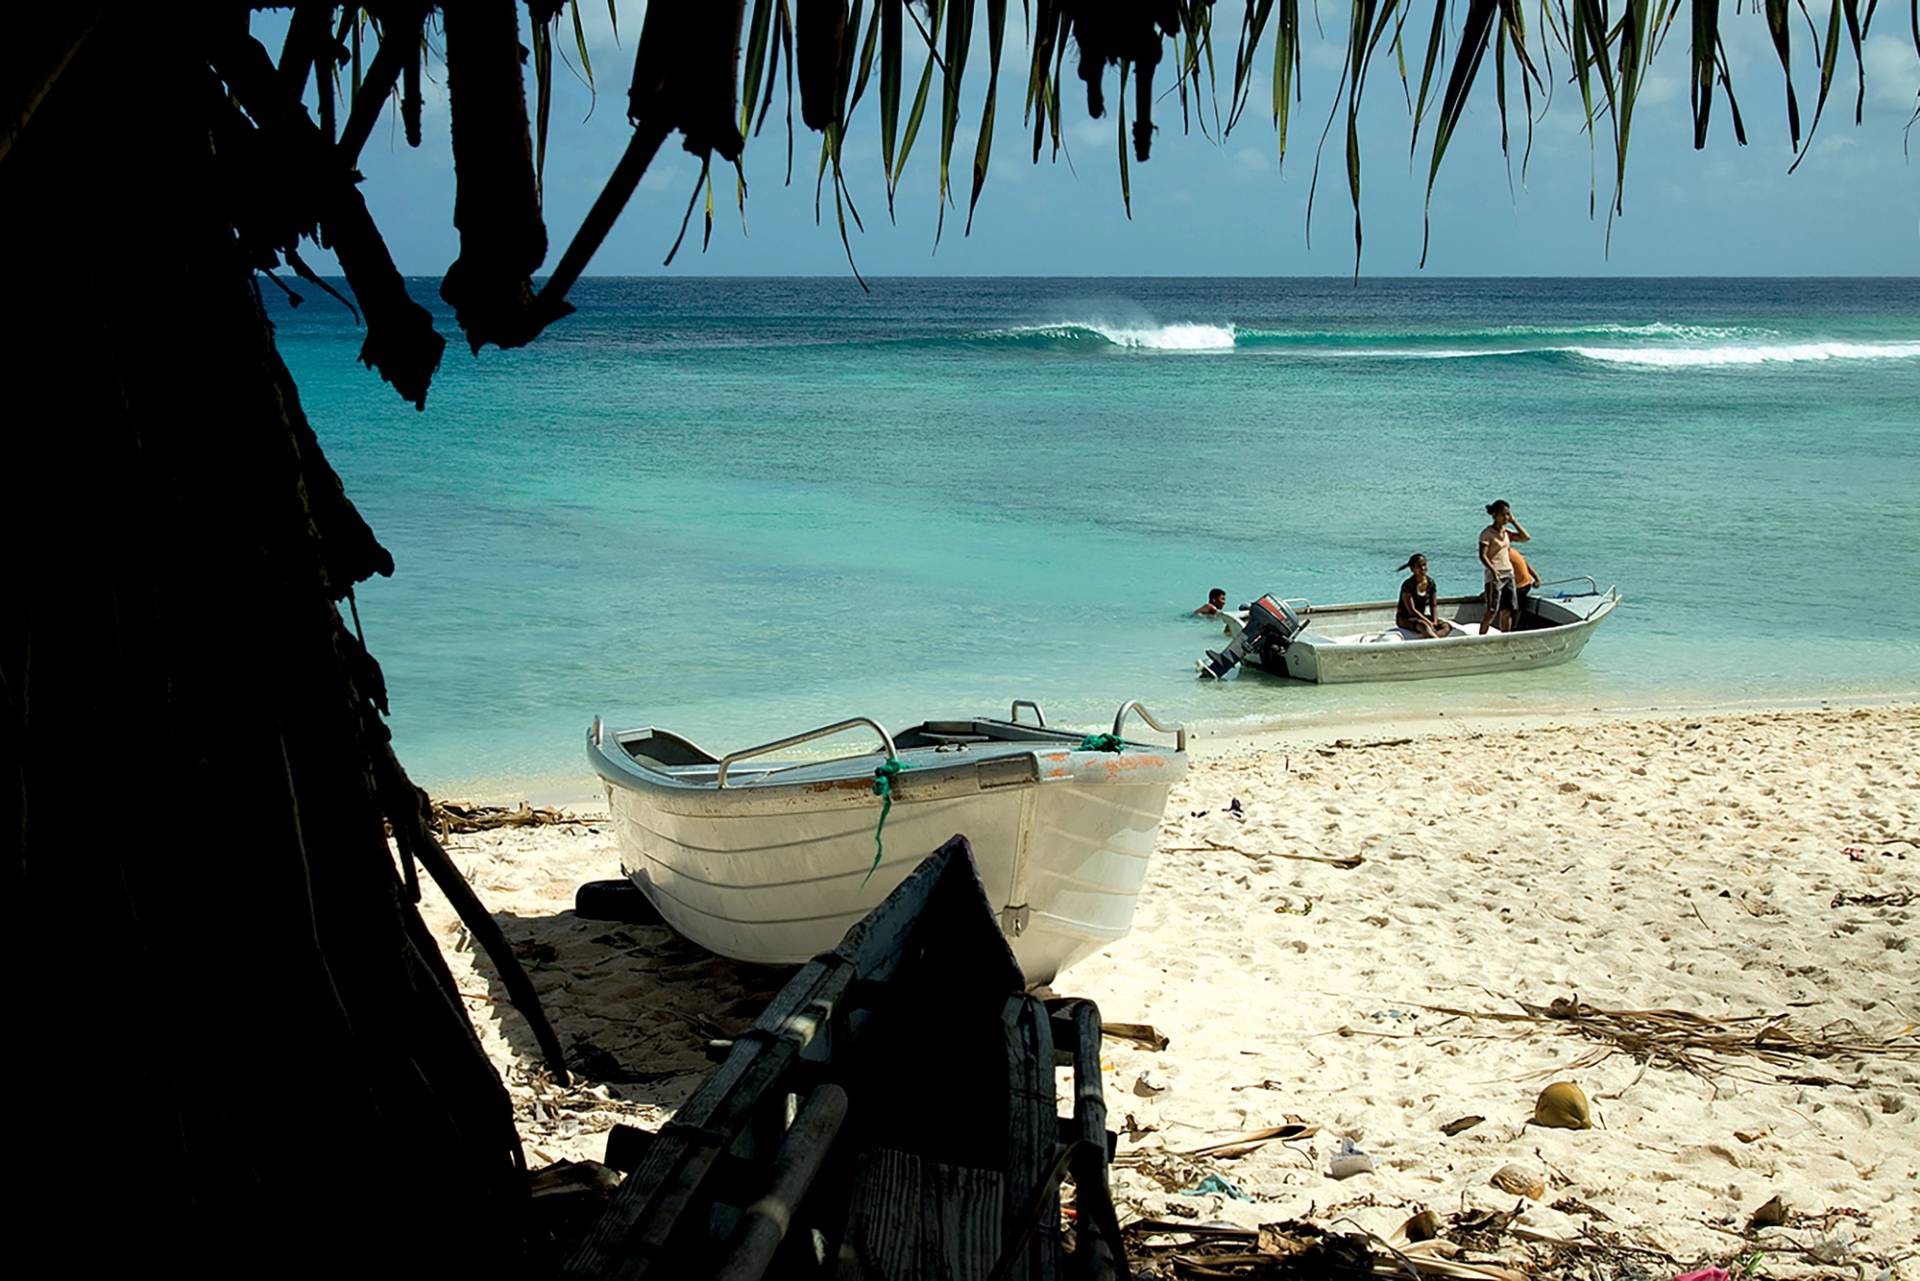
<point>1210,742</point>
<point>1754,868</point>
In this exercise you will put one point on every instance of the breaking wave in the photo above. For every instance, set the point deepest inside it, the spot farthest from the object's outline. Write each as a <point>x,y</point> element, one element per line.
<point>1759,354</point>
<point>1176,337</point>
<point>1660,345</point>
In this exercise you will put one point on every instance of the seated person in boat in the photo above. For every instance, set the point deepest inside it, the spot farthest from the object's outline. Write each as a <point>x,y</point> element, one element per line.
<point>1416,613</point>
<point>1215,606</point>
<point>1496,547</point>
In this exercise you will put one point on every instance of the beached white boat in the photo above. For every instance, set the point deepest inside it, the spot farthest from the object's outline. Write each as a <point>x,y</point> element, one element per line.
<point>1332,644</point>
<point>772,861</point>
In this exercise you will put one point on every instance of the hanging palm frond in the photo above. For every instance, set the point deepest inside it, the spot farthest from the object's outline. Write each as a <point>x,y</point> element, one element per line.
<point>710,72</point>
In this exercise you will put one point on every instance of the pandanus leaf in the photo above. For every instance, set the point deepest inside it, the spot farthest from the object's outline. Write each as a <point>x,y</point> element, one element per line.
<point>920,97</point>
<point>959,40</point>
<point>1471,50</point>
<point>1829,58</point>
<point>983,150</point>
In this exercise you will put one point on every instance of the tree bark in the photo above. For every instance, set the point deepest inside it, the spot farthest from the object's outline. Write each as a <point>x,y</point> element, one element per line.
<point>235,1041</point>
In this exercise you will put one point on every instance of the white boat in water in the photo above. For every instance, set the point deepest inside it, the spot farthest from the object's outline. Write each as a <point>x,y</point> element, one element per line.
<point>1332,644</point>
<point>771,862</point>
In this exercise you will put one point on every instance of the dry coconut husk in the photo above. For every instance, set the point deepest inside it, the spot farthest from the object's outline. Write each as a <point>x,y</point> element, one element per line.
<point>1520,1181</point>
<point>1563,1106</point>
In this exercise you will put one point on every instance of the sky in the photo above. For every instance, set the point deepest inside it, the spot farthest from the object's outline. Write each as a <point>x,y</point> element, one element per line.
<point>1208,207</point>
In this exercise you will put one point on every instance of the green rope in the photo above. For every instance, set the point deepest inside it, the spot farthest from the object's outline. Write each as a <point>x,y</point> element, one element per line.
<point>883,788</point>
<point>1103,743</point>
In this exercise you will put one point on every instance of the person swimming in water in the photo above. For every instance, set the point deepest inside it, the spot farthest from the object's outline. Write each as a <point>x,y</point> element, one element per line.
<point>1216,604</point>
<point>1416,612</point>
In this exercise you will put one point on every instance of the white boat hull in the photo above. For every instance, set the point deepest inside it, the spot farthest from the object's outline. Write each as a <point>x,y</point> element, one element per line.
<point>775,874</point>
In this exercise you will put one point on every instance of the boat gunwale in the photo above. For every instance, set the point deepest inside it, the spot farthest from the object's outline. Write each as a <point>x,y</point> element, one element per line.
<point>1056,759</point>
<point>1463,637</point>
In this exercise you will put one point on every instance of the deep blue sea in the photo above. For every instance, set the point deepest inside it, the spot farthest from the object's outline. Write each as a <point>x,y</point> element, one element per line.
<point>740,508</point>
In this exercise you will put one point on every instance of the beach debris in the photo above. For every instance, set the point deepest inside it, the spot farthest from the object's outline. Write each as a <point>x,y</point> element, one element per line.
<point>1899,898</point>
<point>1770,1215</point>
<point>1574,1205</point>
<point>1214,1185</point>
<point>1241,1144</point>
<point>1285,906</point>
<point>1563,1106</point>
<point>1212,846</point>
<point>1750,1136</point>
<point>1233,808</point>
<point>1704,1274</point>
<point>1347,744</point>
<point>1700,1045</point>
<point>457,817</point>
<point>1348,1161</point>
<point>1424,1226</point>
<point>1144,1035</point>
<point>1150,1083</point>
<point>1520,1181</point>
<point>1460,1123</point>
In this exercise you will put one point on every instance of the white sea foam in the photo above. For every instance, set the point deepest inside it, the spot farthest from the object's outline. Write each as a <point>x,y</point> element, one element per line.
<point>1748,354</point>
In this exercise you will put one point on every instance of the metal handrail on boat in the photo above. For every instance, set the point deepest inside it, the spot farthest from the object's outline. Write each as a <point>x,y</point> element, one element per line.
<point>1039,717</point>
<point>1592,583</point>
<point>1133,705</point>
<point>886,741</point>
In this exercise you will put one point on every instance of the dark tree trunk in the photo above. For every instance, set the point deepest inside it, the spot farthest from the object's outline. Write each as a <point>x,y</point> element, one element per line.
<point>233,1042</point>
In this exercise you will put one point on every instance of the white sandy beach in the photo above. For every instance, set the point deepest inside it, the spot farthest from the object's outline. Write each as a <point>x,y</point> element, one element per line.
<point>1704,863</point>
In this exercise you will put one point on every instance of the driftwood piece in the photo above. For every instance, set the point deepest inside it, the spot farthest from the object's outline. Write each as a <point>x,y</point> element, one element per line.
<point>1141,1034</point>
<point>1241,1144</point>
<point>912,1218</point>
<point>1211,846</point>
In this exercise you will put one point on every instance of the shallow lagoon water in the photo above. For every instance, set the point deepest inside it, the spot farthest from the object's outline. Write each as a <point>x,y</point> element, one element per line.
<point>739,508</point>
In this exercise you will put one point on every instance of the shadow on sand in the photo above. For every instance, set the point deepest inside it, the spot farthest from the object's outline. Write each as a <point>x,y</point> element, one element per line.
<point>634,1005</point>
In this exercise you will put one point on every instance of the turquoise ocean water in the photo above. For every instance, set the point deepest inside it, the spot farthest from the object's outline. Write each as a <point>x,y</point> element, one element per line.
<point>739,508</point>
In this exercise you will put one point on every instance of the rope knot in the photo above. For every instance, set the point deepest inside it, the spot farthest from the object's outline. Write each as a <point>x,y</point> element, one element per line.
<point>883,777</point>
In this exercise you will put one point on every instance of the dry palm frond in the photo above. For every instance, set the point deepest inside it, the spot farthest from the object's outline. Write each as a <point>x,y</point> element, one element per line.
<point>1703,1046</point>
<point>451,817</point>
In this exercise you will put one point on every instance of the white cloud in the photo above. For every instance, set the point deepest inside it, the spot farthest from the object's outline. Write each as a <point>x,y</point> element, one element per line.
<point>1893,73</point>
<point>1254,160</point>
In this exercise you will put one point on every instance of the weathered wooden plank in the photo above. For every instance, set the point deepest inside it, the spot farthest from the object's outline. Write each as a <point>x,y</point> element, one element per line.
<point>940,905</point>
<point>766,1221</point>
<point>1100,1254</point>
<point>1032,1134</point>
<point>912,1219</point>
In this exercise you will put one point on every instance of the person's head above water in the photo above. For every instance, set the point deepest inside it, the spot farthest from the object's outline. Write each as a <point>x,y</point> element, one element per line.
<point>1217,598</point>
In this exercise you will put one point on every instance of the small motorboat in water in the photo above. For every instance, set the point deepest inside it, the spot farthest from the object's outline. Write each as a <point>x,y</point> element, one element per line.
<point>771,862</point>
<point>1333,644</point>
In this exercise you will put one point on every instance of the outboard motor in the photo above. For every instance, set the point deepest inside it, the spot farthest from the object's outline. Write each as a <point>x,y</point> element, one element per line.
<point>1271,626</point>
